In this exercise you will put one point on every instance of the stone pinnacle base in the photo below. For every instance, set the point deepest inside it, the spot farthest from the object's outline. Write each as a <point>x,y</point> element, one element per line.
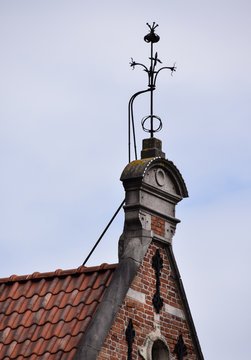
<point>152,147</point>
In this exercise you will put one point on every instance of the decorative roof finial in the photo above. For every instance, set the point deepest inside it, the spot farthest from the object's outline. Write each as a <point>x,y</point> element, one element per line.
<point>152,73</point>
<point>152,37</point>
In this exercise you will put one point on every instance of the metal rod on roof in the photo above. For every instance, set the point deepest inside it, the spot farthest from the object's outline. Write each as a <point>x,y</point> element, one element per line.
<point>103,233</point>
<point>152,75</point>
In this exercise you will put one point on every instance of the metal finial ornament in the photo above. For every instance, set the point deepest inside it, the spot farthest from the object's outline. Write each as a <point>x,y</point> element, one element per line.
<point>158,266</point>
<point>130,334</point>
<point>152,37</point>
<point>152,73</point>
<point>180,348</point>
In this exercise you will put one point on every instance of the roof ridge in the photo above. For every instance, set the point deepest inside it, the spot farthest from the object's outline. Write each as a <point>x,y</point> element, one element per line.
<point>59,272</point>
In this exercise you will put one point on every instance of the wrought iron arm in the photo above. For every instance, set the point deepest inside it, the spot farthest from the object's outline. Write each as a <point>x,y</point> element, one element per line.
<point>133,64</point>
<point>172,68</point>
<point>131,120</point>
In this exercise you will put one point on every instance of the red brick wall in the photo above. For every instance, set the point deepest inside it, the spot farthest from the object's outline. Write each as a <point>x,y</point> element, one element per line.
<point>142,315</point>
<point>158,226</point>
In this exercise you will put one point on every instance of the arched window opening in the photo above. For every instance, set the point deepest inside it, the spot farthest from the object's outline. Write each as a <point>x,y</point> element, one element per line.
<point>160,351</point>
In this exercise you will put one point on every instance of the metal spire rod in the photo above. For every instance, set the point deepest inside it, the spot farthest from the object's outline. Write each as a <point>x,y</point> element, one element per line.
<point>103,233</point>
<point>152,73</point>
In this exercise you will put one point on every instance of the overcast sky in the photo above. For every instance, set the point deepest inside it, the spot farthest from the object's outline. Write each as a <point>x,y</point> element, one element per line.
<point>64,89</point>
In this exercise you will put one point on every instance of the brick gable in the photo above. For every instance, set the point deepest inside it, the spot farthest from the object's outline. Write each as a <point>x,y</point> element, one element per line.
<point>138,306</point>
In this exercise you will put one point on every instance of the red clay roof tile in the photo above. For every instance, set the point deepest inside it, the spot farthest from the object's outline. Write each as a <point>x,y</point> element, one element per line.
<point>44,315</point>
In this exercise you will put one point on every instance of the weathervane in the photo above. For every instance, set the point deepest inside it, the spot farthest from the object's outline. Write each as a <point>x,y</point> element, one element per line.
<point>152,73</point>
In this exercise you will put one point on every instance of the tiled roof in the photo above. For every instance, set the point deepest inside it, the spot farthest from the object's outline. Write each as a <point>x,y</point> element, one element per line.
<point>44,315</point>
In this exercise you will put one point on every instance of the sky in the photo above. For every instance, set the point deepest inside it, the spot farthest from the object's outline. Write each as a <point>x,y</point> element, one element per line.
<point>64,90</point>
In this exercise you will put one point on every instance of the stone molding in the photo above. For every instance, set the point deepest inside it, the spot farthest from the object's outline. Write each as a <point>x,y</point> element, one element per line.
<point>136,295</point>
<point>174,311</point>
<point>145,351</point>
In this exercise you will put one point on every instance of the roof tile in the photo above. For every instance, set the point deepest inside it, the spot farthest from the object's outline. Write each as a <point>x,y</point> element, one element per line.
<point>43,316</point>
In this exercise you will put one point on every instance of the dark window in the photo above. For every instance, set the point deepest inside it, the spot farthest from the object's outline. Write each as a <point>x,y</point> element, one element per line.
<point>159,351</point>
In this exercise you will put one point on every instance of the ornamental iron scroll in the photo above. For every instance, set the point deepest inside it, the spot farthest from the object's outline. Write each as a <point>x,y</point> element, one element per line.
<point>180,348</point>
<point>158,266</point>
<point>130,334</point>
<point>152,71</point>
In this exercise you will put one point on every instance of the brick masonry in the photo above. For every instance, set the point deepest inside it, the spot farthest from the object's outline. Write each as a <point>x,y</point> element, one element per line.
<point>143,314</point>
<point>158,226</point>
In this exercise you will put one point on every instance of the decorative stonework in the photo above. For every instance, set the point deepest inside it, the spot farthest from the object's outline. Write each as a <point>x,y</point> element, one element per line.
<point>160,177</point>
<point>136,295</point>
<point>170,230</point>
<point>145,351</point>
<point>174,311</point>
<point>153,188</point>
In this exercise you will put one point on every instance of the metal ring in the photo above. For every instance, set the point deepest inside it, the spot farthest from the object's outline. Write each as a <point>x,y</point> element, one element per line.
<point>149,117</point>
